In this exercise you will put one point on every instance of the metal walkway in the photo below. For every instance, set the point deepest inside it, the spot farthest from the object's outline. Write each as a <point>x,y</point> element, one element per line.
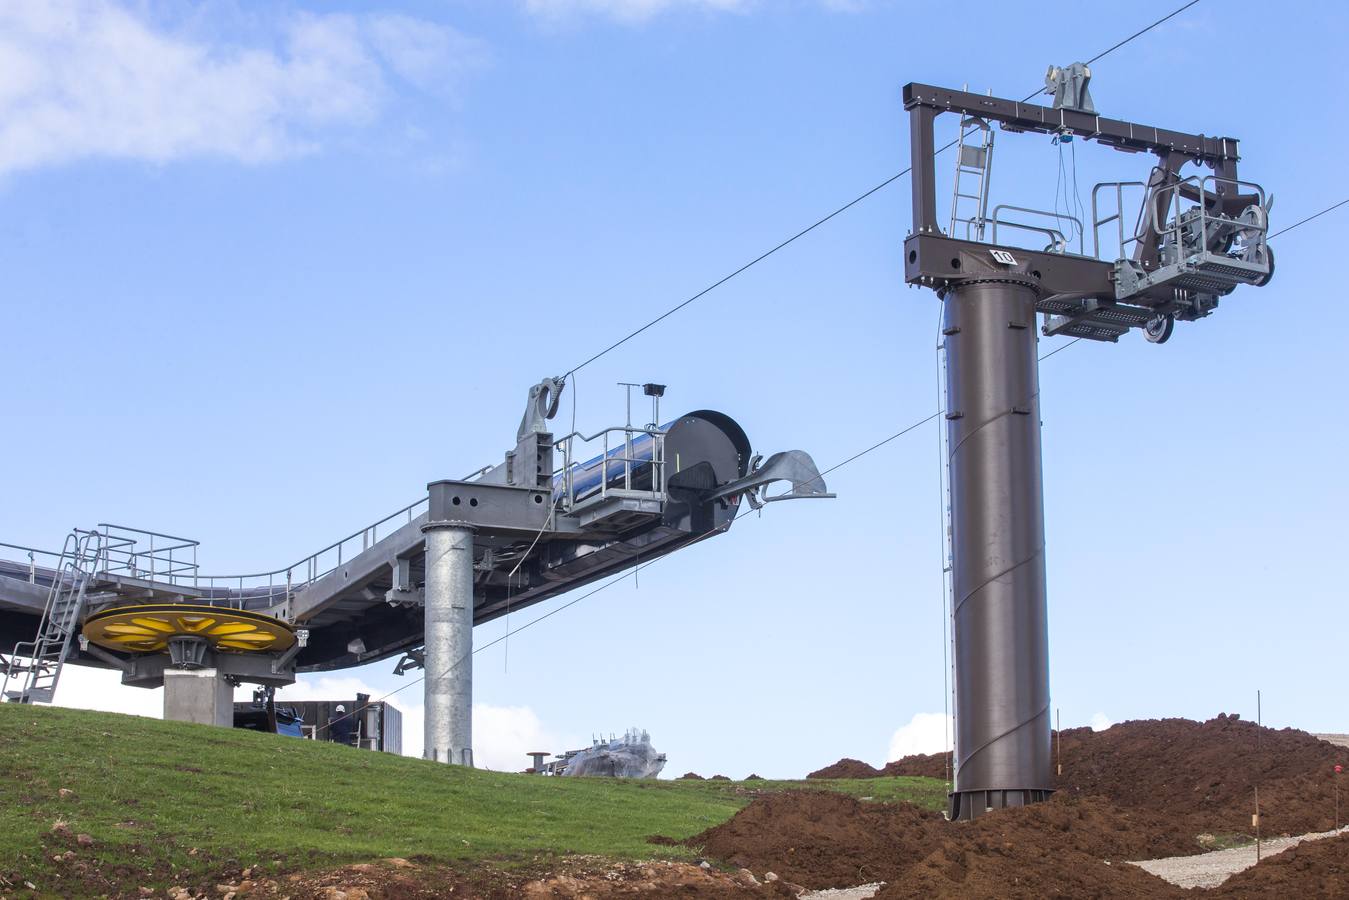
<point>359,599</point>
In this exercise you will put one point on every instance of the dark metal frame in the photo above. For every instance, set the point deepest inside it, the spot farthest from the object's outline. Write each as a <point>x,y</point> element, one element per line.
<point>1081,289</point>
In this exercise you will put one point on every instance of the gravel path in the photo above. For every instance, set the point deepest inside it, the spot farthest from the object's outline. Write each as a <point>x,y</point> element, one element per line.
<point>1206,870</point>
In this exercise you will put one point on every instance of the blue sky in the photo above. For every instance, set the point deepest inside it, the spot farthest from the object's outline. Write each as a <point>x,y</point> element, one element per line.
<point>270,268</point>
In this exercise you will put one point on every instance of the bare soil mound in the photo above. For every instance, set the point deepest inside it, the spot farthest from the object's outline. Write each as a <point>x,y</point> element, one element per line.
<point>1312,869</point>
<point>1023,870</point>
<point>820,840</point>
<point>846,768</point>
<point>931,765</point>
<point>926,765</point>
<point>1202,772</point>
<point>829,840</point>
<point>1207,772</point>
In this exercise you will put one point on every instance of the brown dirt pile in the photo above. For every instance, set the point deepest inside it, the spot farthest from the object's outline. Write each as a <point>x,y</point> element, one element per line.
<point>1206,772</point>
<point>829,840</point>
<point>820,839</point>
<point>927,765</point>
<point>846,768</point>
<point>1020,870</point>
<point>1313,869</point>
<point>1203,772</point>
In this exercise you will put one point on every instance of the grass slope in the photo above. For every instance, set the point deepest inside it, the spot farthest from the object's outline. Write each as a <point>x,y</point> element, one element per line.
<point>156,795</point>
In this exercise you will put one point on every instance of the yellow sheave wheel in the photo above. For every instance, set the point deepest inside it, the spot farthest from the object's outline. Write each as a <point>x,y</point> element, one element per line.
<point>146,629</point>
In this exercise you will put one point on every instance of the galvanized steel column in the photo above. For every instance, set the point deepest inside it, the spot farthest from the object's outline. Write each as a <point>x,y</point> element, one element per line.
<point>448,655</point>
<point>1000,620</point>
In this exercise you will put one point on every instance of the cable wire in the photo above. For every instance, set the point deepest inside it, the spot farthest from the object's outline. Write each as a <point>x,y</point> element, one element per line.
<point>834,468</point>
<point>844,208</point>
<point>632,573</point>
<point>1140,33</point>
<point>1332,207</point>
<point>702,293</point>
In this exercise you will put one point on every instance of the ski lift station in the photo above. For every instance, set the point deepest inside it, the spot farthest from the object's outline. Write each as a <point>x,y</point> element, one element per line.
<point>548,518</point>
<point>559,512</point>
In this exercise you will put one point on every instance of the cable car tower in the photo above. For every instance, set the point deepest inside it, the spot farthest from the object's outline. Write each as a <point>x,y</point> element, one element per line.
<point>1195,238</point>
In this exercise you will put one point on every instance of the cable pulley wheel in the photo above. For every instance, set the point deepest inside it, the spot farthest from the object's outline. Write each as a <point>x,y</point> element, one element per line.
<point>149,628</point>
<point>1158,330</point>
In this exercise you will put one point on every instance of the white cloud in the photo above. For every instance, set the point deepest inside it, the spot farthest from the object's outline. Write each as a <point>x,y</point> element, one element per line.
<point>925,733</point>
<point>1100,722</point>
<point>628,11</point>
<point>502,735</point>
<point>82,687</point>
<point>88,78</point>
<point>634,12</point>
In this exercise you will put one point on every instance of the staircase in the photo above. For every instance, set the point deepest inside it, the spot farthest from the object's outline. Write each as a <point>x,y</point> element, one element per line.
<point>35,666</point>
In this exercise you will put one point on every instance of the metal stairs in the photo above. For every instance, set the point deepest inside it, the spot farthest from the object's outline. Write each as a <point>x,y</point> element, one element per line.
<point>35,666</point>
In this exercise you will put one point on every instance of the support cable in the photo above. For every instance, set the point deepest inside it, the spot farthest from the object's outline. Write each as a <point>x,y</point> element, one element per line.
<point>833,468</point>
<point>1333,206</point>
<point>844,208</point>
<point>851,459</point>
<point>638,567</point>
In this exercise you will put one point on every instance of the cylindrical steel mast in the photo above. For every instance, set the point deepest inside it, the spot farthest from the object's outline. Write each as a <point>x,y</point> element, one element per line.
<point>1000,621</point>
<point>448,656</point>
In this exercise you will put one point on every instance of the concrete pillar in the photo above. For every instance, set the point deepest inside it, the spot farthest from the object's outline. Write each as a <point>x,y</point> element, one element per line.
<point>1000,620</point>
<point>449,643</point>
<point>202,696</point>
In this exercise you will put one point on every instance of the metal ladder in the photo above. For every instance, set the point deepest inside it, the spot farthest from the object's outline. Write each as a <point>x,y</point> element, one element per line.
<point>972,160</point>
<point>34,681</point>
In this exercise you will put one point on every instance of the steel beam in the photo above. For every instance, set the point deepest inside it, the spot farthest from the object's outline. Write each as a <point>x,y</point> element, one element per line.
<point>1000,620</point>
<point>449,642</point>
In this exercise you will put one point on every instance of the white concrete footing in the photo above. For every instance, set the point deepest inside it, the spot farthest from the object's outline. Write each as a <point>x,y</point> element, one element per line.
<point>202,696</point>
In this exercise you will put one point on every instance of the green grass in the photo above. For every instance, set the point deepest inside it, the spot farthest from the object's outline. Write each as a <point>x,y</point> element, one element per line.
<point>150,792</point>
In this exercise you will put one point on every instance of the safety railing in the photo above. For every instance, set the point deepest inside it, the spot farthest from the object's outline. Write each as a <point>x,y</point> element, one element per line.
<point>165,559</point>
<point>32,554</point>
<point>146,555</point>
<point>1058,242</point>
<point>1098,221</point>
<point>1171,201</point>
<point>623,464</point>
<point>277,585</point>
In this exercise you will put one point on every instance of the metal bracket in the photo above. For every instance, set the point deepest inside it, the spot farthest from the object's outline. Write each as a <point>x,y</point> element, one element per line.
<point>411,661</point>
<point>280,663</point>
<point>542,406</point>
<point>795,466</point>
<point>1068,86</point>
<point>99,653</point>
<point>413,597</point>
<point>495,508</point>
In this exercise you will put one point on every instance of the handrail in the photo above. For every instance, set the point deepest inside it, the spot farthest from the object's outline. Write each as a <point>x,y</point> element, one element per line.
<point>1204,218</point>
<point>172,537</point>
<point>565,492</point>
<point>33,553</point>
<point>282,582</point>
<point>1096,223</point>
<point>1053,233</point>
<point>118,556</point>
